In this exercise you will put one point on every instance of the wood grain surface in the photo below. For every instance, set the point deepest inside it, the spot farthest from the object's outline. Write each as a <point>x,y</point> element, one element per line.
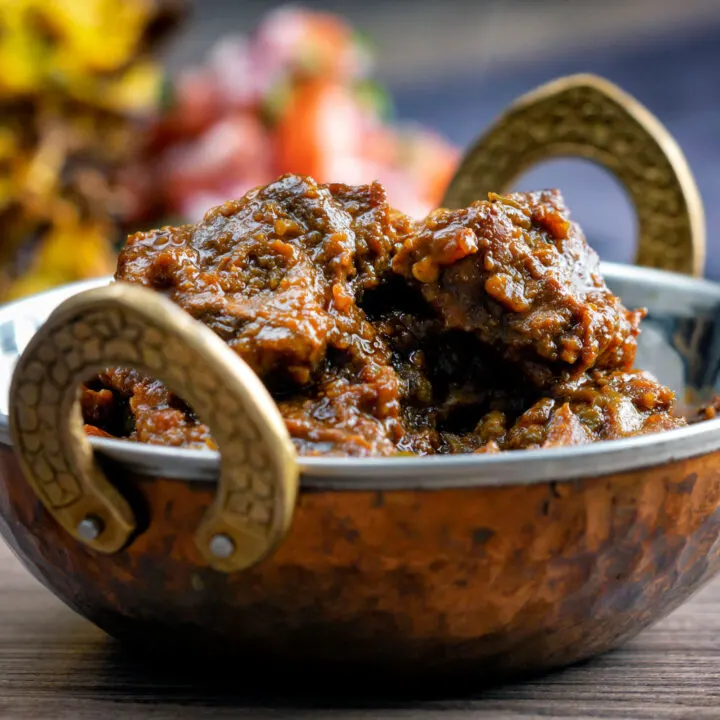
<point>53,664</point>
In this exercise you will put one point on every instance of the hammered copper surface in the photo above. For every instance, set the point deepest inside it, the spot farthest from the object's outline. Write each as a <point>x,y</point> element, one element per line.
<point>485,580</point>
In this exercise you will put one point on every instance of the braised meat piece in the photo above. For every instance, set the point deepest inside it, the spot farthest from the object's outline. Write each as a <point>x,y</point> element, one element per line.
<point>449,383</point>
<point>597,406</point>
<point>482,330</point>
<point>276,274</point>
<point>155,415</point>
<point>518,273</point>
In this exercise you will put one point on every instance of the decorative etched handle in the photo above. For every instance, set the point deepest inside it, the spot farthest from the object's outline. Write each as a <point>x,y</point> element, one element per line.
<point>586,116</point>
<point>128,326</point>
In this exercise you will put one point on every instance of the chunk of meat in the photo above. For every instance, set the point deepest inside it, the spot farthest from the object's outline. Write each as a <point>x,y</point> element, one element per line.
<point>157,415</point>
<point>597,406</point>
<point>518,273</point>
<point>277,273</point>
<point>344,418</point>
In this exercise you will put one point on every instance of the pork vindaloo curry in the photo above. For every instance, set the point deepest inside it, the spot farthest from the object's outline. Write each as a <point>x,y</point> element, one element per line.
<point>477,330</point>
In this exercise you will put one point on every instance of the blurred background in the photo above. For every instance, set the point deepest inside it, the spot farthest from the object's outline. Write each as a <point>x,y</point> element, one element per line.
<point>123,114</point>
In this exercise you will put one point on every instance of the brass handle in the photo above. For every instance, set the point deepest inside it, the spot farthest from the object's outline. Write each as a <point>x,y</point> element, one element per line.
<point>129,326</point>
<point>586,116</point>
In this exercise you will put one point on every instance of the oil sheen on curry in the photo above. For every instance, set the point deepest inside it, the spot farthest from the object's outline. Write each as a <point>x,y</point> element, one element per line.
<point>478,330</point>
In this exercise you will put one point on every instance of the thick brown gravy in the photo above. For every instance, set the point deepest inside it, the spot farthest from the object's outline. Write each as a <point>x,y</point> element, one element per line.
<point>483,329</point>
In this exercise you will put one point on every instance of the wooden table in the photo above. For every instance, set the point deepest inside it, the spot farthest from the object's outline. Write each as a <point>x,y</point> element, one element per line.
<point>55,665</point>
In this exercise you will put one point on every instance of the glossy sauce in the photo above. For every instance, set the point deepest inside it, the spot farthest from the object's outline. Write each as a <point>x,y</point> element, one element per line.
<point>476,330</point>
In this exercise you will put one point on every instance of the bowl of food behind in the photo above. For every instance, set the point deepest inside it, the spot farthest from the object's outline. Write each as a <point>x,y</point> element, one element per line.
<point>482,564</point>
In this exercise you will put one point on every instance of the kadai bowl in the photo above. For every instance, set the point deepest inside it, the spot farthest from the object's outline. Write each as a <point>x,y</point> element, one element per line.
<point>317,433</point>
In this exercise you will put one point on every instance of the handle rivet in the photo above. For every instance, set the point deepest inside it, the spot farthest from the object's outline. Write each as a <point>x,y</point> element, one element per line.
<point>89,528</point>
<point>222,546</point>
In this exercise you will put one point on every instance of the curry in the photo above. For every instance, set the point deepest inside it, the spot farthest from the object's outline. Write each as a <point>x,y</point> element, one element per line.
<point>484,329</point>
